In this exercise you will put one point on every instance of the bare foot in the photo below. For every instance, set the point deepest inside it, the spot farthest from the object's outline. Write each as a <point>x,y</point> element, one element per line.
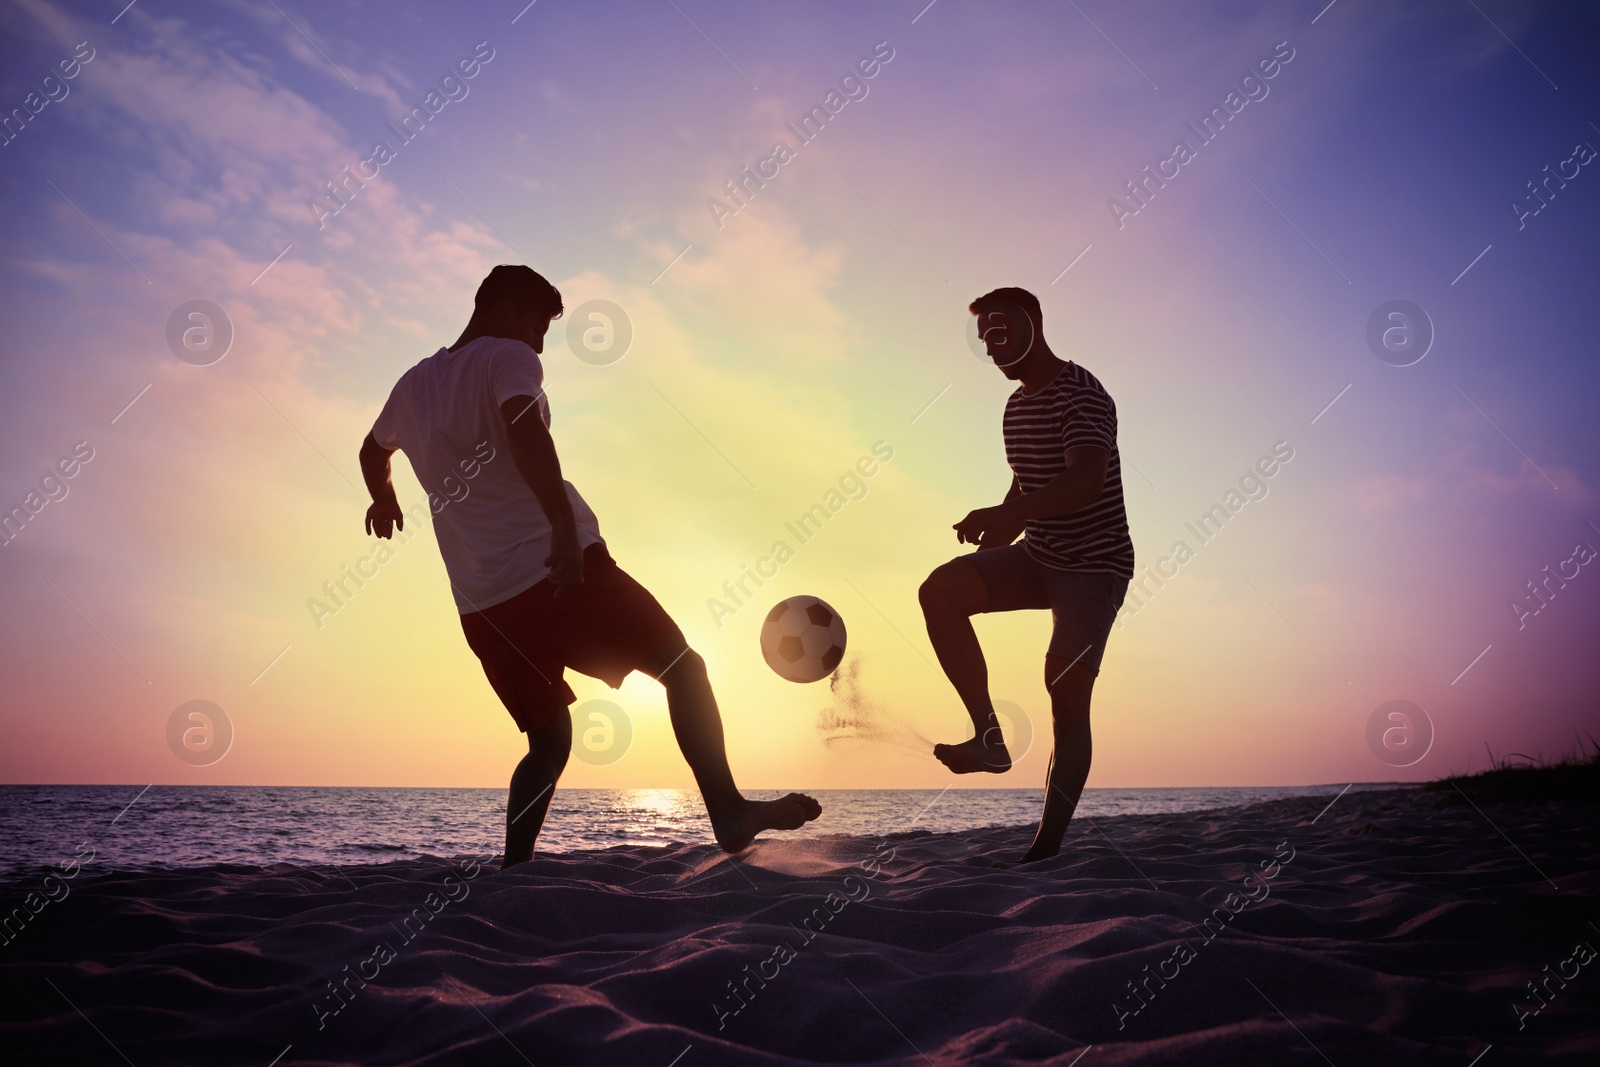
<point>974,755</point>
<point>736,830</point>
<point>1036,853</point>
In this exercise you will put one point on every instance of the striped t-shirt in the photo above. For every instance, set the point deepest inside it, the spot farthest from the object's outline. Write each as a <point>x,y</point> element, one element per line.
<point>1073,409</point>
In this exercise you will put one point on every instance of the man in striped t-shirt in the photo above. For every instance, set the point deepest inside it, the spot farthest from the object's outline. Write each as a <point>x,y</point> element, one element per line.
<point>1075,558</point>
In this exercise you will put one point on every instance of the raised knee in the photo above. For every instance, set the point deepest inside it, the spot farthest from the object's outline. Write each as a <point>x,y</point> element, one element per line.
<point>944,590</point>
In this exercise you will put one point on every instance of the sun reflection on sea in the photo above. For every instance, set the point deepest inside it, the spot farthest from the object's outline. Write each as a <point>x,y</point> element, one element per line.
<point>658,815</point>
<point>665,803</point>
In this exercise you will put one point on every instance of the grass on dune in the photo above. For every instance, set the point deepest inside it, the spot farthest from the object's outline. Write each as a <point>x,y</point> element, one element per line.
<point>1519,778</point>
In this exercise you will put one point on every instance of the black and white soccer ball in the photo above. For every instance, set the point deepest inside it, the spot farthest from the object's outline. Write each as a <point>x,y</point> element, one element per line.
<point>802,639</point>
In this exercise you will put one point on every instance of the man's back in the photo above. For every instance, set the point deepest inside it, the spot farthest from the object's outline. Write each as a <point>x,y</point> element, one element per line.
<point>444,414</point>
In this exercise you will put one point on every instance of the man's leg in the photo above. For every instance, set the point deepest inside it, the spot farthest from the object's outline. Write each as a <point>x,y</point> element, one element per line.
<point>698,726</point>
<point>1071,686</point>
<point>952,594</point>
<point>533,783</point>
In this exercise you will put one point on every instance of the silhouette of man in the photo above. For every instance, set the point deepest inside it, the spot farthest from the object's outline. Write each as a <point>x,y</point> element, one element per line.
<point>537,590</point>
<point>1076,557</point>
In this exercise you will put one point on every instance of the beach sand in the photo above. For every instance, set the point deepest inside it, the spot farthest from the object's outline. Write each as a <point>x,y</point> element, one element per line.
<point>1397,928</point>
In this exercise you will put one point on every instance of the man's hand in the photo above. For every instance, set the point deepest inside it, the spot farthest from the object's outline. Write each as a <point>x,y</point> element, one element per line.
<point>565,560</point>
<point>993,527</point>
<point>1080,483</point>
<point>384,517</point>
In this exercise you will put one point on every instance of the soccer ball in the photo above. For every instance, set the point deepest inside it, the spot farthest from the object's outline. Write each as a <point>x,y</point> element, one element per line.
<point>802,639</point>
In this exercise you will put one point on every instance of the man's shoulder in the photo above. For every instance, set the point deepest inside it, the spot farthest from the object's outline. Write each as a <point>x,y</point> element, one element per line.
<point>508,344</point>
<point>424,365</point>
<point>1071,381</point>
<point>408,378</point>
<point>487,349</point>
<point>503,357</point>
<point>1078,381</point>
<point>480,356</point>
<point>1076,374</point>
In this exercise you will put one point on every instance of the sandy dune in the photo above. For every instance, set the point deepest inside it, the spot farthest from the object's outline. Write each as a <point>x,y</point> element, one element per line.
<point>1396,928</point>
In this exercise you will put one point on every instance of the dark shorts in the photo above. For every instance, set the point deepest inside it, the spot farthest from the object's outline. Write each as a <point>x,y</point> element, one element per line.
<point>607,627</point>
<point>1083,605</point>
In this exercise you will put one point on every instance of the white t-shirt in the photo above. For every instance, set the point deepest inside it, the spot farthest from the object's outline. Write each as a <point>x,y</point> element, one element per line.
<point>444,414</point>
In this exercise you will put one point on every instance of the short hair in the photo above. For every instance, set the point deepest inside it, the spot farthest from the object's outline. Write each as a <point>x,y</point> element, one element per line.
<point>1003,300</point>
<point>520,284</point>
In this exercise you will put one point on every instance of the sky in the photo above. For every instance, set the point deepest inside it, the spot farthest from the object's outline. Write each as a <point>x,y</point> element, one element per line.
<point>1440,154</point>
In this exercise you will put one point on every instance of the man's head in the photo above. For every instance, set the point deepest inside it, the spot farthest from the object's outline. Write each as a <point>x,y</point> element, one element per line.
<point>517,302</point>
<point>1010,324</point>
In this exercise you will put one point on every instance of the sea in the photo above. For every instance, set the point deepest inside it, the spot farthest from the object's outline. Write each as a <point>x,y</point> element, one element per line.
<point>163,826</point>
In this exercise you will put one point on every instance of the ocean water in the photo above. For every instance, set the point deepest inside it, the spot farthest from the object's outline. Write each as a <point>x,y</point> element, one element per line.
<point>134,827</point>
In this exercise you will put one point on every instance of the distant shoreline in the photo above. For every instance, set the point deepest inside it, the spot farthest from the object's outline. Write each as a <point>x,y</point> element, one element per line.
<point>255,828</point>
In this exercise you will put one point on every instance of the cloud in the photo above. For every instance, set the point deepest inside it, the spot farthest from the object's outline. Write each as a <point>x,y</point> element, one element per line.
<point>1386,494</point>
<point>298,35</point>
<point>1480,457</point>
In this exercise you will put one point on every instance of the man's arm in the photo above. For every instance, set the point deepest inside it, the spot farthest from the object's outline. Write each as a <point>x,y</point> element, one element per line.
<point>534,453</point>
<point>1077,486</point>
<point>384,515</point>
<point>998,534</point>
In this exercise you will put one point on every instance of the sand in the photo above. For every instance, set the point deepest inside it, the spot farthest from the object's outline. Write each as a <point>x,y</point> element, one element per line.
<point>1398,927</point>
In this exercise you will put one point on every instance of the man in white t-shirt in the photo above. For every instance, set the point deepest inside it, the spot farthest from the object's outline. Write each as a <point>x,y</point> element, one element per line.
<point>536,588</point>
